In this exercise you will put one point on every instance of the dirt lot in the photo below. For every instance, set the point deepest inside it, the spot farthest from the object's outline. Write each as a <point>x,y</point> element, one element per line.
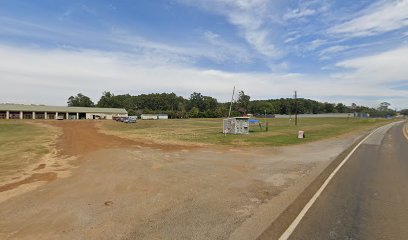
<point>106,187</point>
<point>22,144</point>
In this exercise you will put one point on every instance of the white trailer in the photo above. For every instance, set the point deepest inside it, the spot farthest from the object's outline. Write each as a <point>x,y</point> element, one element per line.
<point>148,117</point>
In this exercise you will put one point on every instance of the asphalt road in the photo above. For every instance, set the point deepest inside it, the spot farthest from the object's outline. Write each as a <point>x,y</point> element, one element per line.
<point>367,198</point>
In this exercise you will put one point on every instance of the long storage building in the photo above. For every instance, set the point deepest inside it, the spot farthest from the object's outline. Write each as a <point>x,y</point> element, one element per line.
<point>20,111</point>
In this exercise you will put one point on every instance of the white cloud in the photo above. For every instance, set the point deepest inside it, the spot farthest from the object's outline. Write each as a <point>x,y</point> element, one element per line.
<point>217,51</point>
<point>291,39</point>
<point>228,51</point>
<point>315,44</point>
<point>380,68</point>
<point>334,49</point>
<point>306,9</point>
<point>51,76</point>
<point>329,52</point>
<point>123,40</point>
<point>249,16</point>
<point>298,13</point>
<point>380,17</point>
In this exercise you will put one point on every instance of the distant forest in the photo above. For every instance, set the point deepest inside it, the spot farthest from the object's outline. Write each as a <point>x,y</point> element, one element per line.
<point>200,106</point>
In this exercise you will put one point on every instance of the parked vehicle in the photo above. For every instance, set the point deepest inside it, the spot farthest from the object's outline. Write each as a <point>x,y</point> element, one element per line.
<point>60,118</point>
<point>130,119</point>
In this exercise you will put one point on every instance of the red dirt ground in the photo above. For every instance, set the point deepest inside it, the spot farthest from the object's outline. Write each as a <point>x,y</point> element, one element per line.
<point>124,189</point>
<point>82,137</point>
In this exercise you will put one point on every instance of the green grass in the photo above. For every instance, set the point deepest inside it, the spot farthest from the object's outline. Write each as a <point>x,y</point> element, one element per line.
<point>209,131</point>
<point>21,144</point>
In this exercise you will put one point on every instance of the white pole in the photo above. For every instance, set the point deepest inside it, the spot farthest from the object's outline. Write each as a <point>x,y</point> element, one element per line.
<point>232,99</point>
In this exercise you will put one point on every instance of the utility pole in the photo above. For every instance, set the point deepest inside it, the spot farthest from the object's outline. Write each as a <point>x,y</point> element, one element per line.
<point>266,122</point>
<point>232,99</point>
<point>265,115</point>
<point>296,108</point>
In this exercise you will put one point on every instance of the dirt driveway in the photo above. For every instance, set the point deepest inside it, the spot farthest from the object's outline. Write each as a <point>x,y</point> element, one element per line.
<point>122,189</point>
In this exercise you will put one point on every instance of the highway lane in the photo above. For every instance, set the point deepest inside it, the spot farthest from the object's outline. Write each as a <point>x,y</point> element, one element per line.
<point>368,197</point>
<point>365,196</point>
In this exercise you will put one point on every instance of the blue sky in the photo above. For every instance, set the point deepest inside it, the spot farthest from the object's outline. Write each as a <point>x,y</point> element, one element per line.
<point>337,51</point>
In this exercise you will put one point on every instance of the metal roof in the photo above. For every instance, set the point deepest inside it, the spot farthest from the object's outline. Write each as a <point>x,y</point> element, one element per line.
<point>43,108</point>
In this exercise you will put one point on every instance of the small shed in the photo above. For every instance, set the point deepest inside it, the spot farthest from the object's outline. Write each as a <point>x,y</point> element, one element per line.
<point>236,125</point>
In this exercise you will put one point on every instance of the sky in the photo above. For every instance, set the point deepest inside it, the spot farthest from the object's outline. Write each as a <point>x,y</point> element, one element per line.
<point>336,51</point>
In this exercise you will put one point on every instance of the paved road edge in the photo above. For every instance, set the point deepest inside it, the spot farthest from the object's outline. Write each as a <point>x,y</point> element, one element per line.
<point>287,216</point>
<point>310,203</point>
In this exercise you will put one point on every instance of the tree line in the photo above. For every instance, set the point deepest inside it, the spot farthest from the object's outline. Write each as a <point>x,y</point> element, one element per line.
<point>200,106</point>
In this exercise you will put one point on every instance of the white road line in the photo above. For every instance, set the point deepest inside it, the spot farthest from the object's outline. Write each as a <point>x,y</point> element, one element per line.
<point>405,131</point>
<point>306,208</point>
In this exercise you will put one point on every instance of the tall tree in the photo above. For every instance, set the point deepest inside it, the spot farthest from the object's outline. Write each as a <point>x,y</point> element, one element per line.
<point>243,102</point>
<point>209,103</point>
<point>353,106</point>
<point>194,113</point>
<point>404,112</point>
<point>328,107</point>
<point>196,100</point>
<point>80,100</point>
<point>384,106</point>
<point>205,106</point>
<point>107,101</point>
<point>341,108</point>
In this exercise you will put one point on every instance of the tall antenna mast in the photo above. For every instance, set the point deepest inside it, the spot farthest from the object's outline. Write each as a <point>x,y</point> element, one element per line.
<point>232,99</point>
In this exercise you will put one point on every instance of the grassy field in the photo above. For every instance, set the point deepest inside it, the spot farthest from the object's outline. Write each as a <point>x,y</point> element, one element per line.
<point>22,144</point>
<point>209,131</point>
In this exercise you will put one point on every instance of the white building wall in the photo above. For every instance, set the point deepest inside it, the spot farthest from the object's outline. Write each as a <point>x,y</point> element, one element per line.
<point>321,115</point>
<point>148,117</point>
<point>104,115</point>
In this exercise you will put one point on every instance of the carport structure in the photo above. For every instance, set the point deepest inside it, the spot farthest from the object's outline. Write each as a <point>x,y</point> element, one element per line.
<point>20,111</point>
